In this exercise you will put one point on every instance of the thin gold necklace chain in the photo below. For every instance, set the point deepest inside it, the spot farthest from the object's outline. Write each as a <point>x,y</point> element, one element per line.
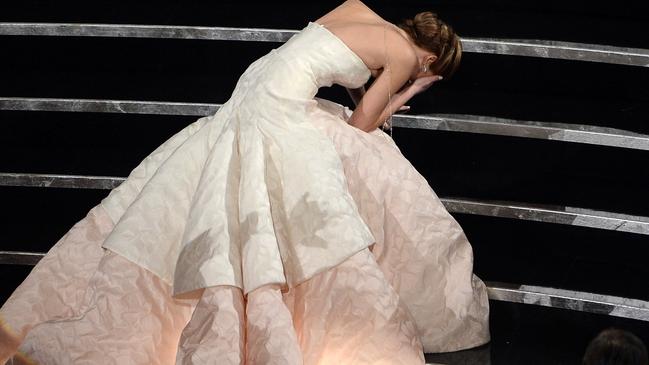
<point>387,66</point>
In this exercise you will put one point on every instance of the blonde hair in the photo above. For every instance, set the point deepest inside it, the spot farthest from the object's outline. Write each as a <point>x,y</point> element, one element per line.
<point>432,34</point>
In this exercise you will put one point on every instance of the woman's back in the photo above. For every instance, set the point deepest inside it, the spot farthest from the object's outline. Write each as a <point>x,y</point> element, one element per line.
<point>366,33</point>
<point>312,58</point>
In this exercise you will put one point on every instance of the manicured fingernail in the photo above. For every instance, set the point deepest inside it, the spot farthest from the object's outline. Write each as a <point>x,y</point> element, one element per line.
<point>440,77</point>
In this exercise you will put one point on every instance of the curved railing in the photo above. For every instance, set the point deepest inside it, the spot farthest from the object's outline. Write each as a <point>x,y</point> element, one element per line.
<point>513,47</point>
<point>552,297</point>
<point>578,133</point>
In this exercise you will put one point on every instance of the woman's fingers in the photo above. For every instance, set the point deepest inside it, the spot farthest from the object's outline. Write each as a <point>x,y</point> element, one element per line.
<point>424,83</point>
<point>431,79</point>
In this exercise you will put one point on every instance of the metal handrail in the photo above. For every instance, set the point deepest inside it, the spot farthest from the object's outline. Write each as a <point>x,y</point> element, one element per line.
<point>502,209</point>
<point>569,299</point>
<point>513,47</point>
<point>578,133</point>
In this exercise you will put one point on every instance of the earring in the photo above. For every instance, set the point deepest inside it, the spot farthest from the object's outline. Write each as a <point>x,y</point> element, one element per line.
<point>424,68</point>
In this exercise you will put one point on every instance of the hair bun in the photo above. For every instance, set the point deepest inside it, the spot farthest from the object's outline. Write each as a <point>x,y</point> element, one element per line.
<point>426,24</point>
<point>431,33</point>
<point>412,27</point>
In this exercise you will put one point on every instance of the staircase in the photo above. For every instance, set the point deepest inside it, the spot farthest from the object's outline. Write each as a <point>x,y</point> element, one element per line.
<point>556,206</point>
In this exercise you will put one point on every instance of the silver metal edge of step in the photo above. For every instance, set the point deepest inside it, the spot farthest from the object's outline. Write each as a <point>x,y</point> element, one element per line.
<point>569,299</point>
<point>516,47</point>
<point>576,133</point>
<point>556,214</point>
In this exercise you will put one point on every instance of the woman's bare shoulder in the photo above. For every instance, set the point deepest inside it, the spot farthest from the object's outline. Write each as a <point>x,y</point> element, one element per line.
<point>366,33</point>
<point>350,11</point>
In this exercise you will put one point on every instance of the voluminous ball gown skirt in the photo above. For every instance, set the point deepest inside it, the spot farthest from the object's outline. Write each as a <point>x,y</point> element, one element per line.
<point>269,233</point>
<point>412,290</point>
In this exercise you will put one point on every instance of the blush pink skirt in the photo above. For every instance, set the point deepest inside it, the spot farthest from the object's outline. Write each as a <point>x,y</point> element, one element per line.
<point>412,291</point>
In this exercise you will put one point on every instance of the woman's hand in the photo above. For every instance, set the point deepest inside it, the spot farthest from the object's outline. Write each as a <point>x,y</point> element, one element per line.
<point>422,83</point>
<point>403,108</point>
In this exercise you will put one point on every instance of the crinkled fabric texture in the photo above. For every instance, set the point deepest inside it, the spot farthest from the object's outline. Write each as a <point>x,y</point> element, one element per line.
<point>420,247</point>
<point>254,194</point>
<point>269,233</point>
<point>412,291</point>
<point>112,311</point>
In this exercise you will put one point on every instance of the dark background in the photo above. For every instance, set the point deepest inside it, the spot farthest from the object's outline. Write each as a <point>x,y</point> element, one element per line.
<point>455,164</point>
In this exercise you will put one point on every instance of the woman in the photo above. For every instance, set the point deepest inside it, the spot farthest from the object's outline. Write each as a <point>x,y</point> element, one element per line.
<point>283,229</point>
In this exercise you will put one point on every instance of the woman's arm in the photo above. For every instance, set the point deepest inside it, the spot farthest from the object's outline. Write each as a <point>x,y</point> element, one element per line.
<point>373,107</point>
<point>356,94</point>
<point>406,93</point>
<point>396,104</point>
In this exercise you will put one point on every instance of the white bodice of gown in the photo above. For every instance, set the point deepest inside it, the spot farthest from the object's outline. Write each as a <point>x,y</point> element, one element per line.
<point>293,72</point>
<point>319,58</point>
<point>254,194</point>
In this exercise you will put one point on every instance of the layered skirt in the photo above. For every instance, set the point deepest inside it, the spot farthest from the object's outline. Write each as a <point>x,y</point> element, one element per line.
<point>409,290</point>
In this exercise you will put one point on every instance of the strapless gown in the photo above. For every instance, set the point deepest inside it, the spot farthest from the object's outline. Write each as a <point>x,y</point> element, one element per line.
<point>271,232</point>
